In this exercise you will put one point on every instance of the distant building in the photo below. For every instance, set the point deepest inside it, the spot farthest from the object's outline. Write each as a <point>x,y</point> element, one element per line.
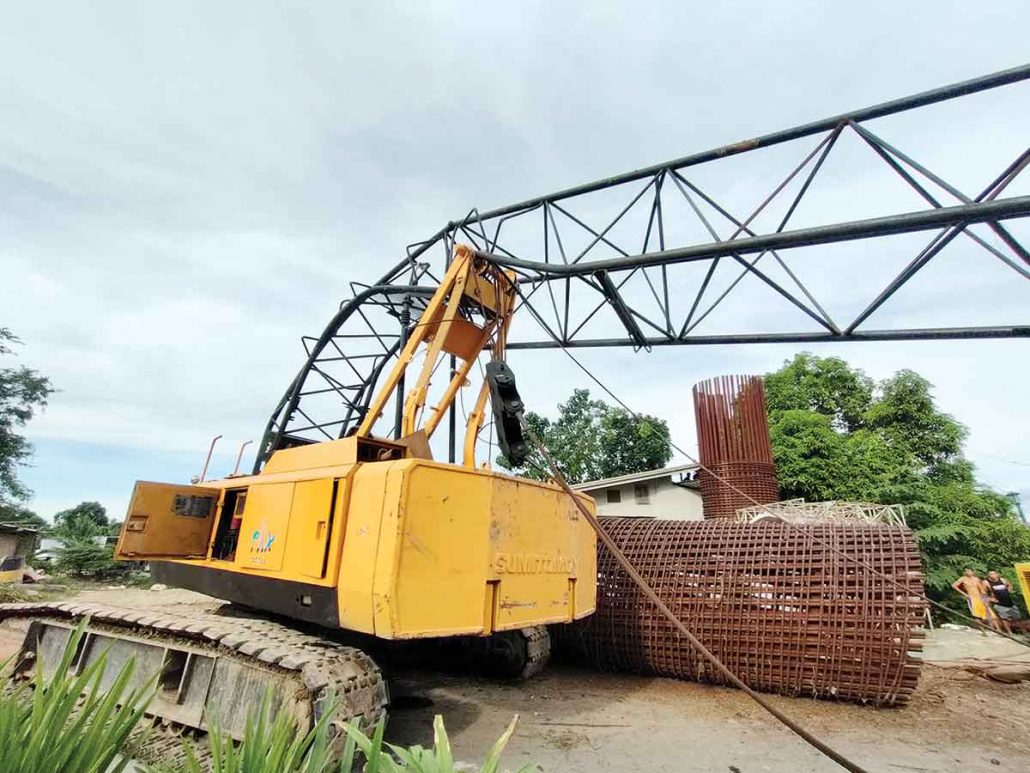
<point>49,547</point>
<point>16,542</point>
<point>671,492</point>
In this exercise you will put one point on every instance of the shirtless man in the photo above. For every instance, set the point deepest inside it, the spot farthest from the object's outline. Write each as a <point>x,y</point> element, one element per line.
<point>972,587</point>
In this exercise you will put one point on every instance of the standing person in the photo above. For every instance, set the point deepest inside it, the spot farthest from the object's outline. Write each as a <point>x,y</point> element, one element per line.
<point>1005,608</point>
<point>974,589</point>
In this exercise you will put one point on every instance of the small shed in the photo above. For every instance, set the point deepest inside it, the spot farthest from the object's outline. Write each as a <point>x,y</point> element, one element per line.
<point>671,492</point>
<point>16,542</point>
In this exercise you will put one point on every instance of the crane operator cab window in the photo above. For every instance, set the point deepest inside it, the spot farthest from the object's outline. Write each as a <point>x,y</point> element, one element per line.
<point>229,520</point>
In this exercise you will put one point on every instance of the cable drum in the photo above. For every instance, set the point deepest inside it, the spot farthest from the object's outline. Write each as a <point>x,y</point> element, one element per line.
<point>773,601</point>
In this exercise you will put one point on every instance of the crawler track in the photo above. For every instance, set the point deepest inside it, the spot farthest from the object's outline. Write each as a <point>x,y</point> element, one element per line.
<point>209,665</point>
<point>538,650</point>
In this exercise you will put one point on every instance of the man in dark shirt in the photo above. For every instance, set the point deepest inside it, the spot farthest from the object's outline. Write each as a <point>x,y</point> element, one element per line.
<point>1000,595</point>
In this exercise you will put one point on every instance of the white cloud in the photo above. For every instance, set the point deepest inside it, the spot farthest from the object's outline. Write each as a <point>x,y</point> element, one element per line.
<point>189,188</point>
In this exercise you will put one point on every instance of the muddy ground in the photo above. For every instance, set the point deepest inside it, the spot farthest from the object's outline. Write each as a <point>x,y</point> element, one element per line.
<point>572,720</point>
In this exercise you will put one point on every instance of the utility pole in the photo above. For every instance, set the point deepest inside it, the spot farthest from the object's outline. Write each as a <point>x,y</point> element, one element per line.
<point>1018,502</point>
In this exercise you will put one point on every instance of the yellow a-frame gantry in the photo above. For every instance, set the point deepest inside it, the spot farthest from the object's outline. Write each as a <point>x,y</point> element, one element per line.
<point>471,288</point>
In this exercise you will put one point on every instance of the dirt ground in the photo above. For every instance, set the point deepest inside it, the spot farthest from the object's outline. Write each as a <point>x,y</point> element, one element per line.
<point>573,721</point>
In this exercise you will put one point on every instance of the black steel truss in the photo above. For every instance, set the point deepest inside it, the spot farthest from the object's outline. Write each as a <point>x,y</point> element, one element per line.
<point>578,271</point>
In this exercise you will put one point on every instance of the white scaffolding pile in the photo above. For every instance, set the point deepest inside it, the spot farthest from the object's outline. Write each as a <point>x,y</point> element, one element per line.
<point>799,511</point>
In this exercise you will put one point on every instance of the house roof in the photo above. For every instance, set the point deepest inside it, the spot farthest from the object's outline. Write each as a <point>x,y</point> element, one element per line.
<point>636,477</point>
<point>17,528</point>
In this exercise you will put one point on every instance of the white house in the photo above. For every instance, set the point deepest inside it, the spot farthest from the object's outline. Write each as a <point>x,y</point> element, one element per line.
<point>48,546</point>
<point>671,492</point>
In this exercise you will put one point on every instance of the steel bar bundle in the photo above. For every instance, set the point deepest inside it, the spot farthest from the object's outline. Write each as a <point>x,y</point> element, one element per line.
<point>734,445</point>
<point>778,604</point>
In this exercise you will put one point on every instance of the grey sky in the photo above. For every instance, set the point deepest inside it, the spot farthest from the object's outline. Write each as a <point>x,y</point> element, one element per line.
<point>187,188</point>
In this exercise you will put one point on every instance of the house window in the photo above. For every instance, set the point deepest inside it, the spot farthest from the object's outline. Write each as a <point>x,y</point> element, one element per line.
<point>641,493</point>
<point>614,496</point>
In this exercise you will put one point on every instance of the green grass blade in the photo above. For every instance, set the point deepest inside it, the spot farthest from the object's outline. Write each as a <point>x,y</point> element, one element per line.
<point>442,745</point>
<point>378,760</point>
<point>68,722</point>
<point>493,758</point>
<point>349,747</point>
<point>409,757</point>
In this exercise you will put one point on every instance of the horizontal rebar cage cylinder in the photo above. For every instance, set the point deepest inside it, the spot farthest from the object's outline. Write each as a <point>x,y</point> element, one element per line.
<point>780,605</point>
<point>734,445</point>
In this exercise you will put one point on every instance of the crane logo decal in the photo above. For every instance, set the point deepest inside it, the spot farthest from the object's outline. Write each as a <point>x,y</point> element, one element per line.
<point>532,563</point>
<point>261,539</point>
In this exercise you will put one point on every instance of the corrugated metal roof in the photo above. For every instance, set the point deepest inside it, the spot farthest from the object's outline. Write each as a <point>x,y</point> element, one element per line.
<point>17,528</point>
<point>622,480</point>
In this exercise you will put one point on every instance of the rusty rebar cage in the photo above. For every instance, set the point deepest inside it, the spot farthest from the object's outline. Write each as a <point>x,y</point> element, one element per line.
<point>734,445</point>
<point>774,602</point>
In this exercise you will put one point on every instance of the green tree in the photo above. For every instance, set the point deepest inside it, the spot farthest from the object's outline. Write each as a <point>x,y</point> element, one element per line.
<point>837,435</point>
<point>822,385</point>
<point>591,439</point>
<point>87,558</point>
<point>629,444</point>
<point>906,416</point>
<point>92,512</point>
<point>83,532</point>
<point>573,439</point>
<point>11,512</point>
<point>22,392</point>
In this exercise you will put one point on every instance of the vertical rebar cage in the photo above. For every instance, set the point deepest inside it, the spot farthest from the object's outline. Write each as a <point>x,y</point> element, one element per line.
<point>781,605</point>
<point>734,446</point>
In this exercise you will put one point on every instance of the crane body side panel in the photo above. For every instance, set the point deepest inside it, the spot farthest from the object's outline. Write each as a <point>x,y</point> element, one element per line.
<point>404,548</point>
<point>368,496</point>
<point>307,535</point>
<point>467,551</point>
<point>262,537</point>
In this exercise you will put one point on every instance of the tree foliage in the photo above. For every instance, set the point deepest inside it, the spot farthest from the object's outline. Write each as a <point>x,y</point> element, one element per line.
<point>11,512</point>
<point>22,392</point>
<point>83,532</point>
<point>591,439</point>
<point>87,558</point>
<point>82,513</point>
<point>838,435</point>
<point>827,386</point>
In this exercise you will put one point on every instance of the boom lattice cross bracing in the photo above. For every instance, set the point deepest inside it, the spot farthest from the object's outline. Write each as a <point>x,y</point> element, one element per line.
<point>883,223</point>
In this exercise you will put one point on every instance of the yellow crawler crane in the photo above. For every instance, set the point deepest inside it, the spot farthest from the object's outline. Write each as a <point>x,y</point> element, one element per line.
<point>361,535</point>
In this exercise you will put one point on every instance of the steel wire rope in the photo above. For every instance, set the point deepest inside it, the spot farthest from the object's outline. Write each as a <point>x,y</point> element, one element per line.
<point>627,566</point>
